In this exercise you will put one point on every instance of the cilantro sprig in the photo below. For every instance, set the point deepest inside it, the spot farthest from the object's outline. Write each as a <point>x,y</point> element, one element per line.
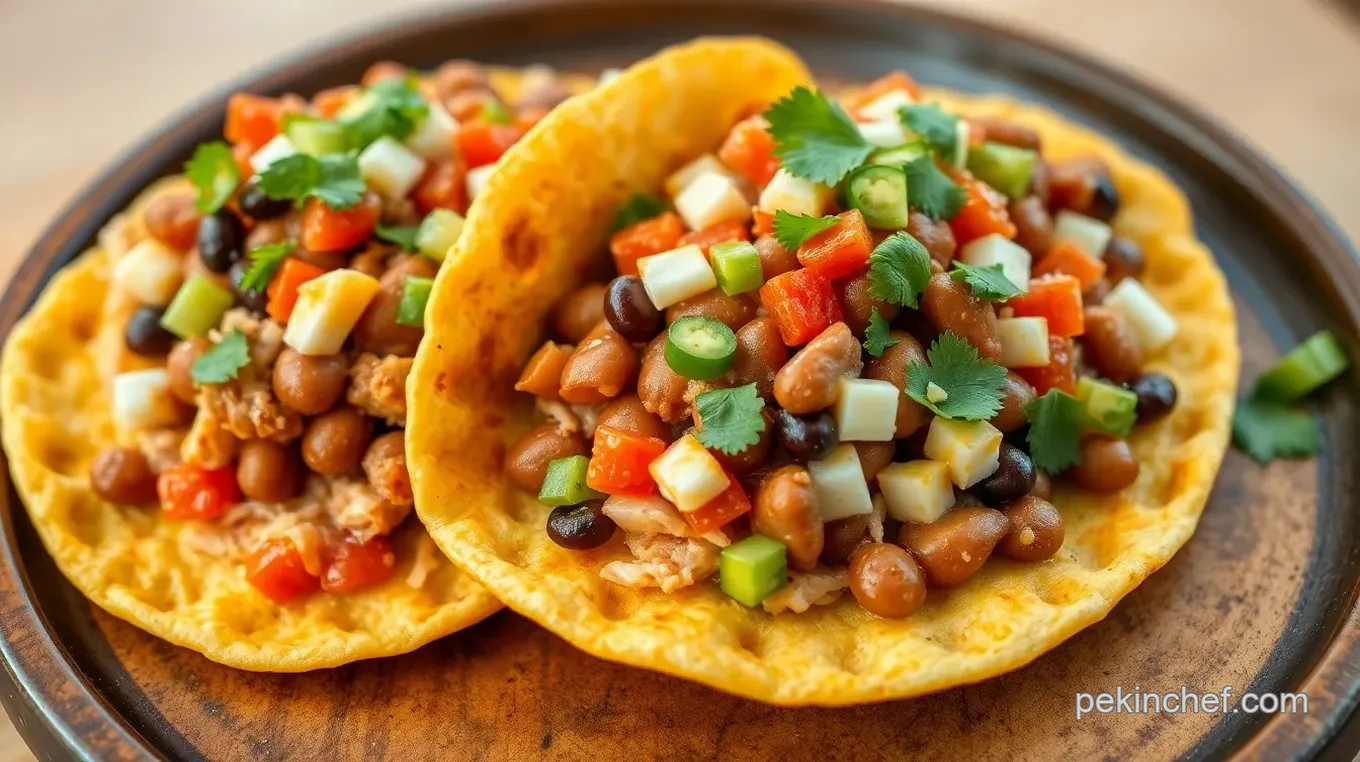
<point>939,128</point>
<point>877,336</point>
<point>732,419</point>
<point>222,362</point>
<point>402,235</point>
<point>332,178</point>
<point>899,269</point>
<point>1267,430</point>
<point>931,190</point>
<point>640,206</point>
<point>1054,431</point>
<point>989,284</point>
<point>814,138</point>
<point>264,262</point>
<point>793,230</point>
<point>972,386</point>
<point>213,171</point>
<point>392,107</point>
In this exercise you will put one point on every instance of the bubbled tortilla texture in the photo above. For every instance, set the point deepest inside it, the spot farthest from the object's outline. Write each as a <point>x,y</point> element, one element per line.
<point>542,224</point>
<point>55,379</point>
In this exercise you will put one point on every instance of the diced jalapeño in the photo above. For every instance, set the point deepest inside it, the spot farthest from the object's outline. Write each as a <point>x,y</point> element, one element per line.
<point>565,483</point>
<point>316,137</point>
<point>1107,408</point>
<point>438,233</point>
<point>879,192</point>
<point>1006,168</point>
<point>415,293</point>
<point>736,264</point>
<point>751,570</point>
<point>197,307</point>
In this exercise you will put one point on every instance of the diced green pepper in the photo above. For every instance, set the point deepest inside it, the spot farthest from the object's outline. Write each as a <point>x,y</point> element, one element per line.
<point>1006,168</point>
<point>1319,359</point>
<point>879,192</point>
<point>415,292</point>
<point>900,156</point>
<point>750,570</point>
<point>316,137</point>
<point>197,307</point>
<point>1107,408</point>
<point>438,233</point>
<point>737,267</point>
<point>565,483</point>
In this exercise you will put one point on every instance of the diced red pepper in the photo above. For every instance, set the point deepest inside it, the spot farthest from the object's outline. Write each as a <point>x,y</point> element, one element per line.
<point>482,143</point>
<point>357,565</point>
<point>982,214</point>
<point>283,289</point>
<point>749,149</point>
<point>443,186</point>
<point>1059,373</point>
<point>721,510</point>
<point>643,239</point>
<point>327,229</point>
<point>277,571</point>
<point>252,119</point>
<point>1066,258</point>
<point>731,230</point>
<point>802,303</point>
<point>841,249</point>
<point>328,103</point>
<point>382,71</point>
<point>189,491</point>
<point>893,80</point>
<point>241,153</point>
<point>1057,299</point>
<point>762,222</point>
<point>619,461</point>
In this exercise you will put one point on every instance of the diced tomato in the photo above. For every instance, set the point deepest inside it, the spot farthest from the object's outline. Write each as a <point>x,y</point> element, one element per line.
<point>329,102</point>
<point>721,510</point>
<point>1059,373</point>
<point>252,119</point>
<point>482,143</point>
<point>283,289</point>
<point>749,149</point>
<point>241,153</point>
<point>1065,257</point>
<point>188,491</point>
<point>357,565</point>
<point>762,222</point>
<point>277,571</point>
<point>839,250</point>
<point>982,214</point>
<point>327,229</point>
<point>893,80</point>
<point>802,303</point>
<point>643,239</point>
<point>443,186</point>
<point>383,71</point>
<point>731,230</point>
<point>619,460</point>
<point>1057,299</point>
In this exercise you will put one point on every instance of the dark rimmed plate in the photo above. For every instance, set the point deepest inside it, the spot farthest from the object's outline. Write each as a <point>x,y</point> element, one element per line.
<point>1262,599</point>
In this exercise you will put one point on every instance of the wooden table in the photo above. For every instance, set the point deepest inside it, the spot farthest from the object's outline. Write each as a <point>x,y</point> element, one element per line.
<point>82,80</point>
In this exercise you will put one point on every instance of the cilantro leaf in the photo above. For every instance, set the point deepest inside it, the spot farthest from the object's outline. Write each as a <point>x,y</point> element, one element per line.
<point>972,385</point>
<point>495,113</point>
<point>402,235</point>
<point>1266,430</point>
<point>989,284</point>
<point>214,172</point>
<point>640,206</point>
<point>1054,431</point>
<point>793,230</point>
<point>221,363</point>
<point>931,190</point>
<point>333,178</point>
<point>264,261</point>
<point>899,269</point>
<point>814,138</point>
<point>877,337</point>
<point>940,129</point>
<point>393,107</point>
<point>732,419</point>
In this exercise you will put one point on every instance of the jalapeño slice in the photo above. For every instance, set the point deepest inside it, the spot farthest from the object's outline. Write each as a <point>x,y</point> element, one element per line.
<point>700,348</point>
<point>879,192</point>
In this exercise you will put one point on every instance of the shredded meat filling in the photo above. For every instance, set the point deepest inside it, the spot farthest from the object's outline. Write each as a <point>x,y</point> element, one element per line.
<point>378,386</point>
<point>818,587</point>
<point>663,561</point>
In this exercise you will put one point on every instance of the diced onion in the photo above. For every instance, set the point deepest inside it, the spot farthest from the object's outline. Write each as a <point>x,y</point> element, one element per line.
<point>675,275</point>
<point>1086,233</point>
<point>996,249</point>
<point>866,410</point>
<point>390,168</point>
<point>1154,326</point>
<point>794,195</point>
<point>327,309</point>
<point>710,198</point>
<point>838,480</point>
<point>278,148</point>
<point>1024,342</point>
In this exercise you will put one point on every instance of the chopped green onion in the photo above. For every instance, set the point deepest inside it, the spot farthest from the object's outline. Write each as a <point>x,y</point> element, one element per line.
<point>438,233</point>
<point>737,266</point>
<point>879,192</point>
<point>700,348</point>
<point>1319,359</point>
<point>751,570</point>
<point>1107,408</point>
<point>415,292</point>
<point>198,306</point>
<point>316,137</point>
<point>565,483</point>
<point>1006,168</point>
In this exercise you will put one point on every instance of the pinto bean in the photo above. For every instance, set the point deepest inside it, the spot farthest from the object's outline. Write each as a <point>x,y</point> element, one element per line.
<point>1043,484</point>
<point>601,368</point>
<point>955,547</point>
<point>1123,259</point>
<point>1000,130</point>
<point>1083,185</point>
<point>542,375</point>
<point>858,304</point>
<point>1107,465</point>
<point>541,89</point>
<point>810,380</point>
<point>1033,224</point>
<point>786,509</point>
<point>1015,396</point>
<point>526,462</point>
<point>310,384</point>
<point>378,330</point>
<point>753,457</point>
<point>774,258</point>
<point>123,475</point>
<point>268,471</point>
<point>760,354</point>
<point>843,537</point>
<point>732,311</point>
<point>173,219</point>
<point>1036,530</point>
<point>892,367</point>
<point>627,413</point>
<point>661,389</point>
<point>935,235</point>
<point>874,457</point>
<point>577,315</point>
<point>1110,345</point>
<point>886,580</point>
<point>179,366</point>
<point>951,306</point>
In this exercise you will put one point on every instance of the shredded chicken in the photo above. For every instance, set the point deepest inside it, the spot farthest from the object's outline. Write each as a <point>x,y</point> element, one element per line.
<point>567,421</point>
<point>161,448</point>
<point>589,415</point>
<point>249,410</point>
<point>876,518</point>
<point>356,506</point>
<point>426,561</point>
<point>247,524</point>
<point>208,443</point>
<point>378,386</point>
<point>264,336</point>
<point>663,561</point>
<point>651,514</point>
<point>815,588</point>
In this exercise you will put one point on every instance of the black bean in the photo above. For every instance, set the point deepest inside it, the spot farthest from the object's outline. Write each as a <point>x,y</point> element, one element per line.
<point>807,437</point>
<point>252,299</point>
<point>1123,259</point>
<point>630,311</point>
<point>1104,199</point>
<point>1013,478</point>
<point>1156,396</point>
<point>580,527</point>
<point>256,204</point>
<point>221,240</point>
<point>144,335</point>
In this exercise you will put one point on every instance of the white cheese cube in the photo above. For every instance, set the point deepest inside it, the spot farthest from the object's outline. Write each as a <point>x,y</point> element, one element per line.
<point>919,490</point>
<point>710,198</point>
<point>151,271</point>
<point>327,309</point>
<point>886,106</point>
<point>390,168</point>
<point>142,400</point>
<point>972,449</point>
<point>1024,342</point>
<point>433,139</point>
<point>1152,323</point>
<point>688,475</point>
<point>866,410</point>
<point>675,275</point>
<point>962,138</point>
<point>476,179</point>
<point>838,480</point>
<point>682,177</point>
<point>884,133</point>
<point>278,148</point>
<point>1086,233</point>
<point>794,195</point>
<point>996,249</point>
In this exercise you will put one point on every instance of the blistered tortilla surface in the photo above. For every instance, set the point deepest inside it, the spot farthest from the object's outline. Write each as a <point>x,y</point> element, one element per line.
<point>540,231</point>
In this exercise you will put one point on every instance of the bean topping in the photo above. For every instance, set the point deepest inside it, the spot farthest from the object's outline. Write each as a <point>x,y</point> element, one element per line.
<point>1016,396</point>
<point>253,299</point>
<point>144,334</point>
<point>1043,484</point>
<point>935,235</point>
<point>786,509</point>
<point>378,330</point>
<point>172,219</point>
<point>1033,224</point>
<point>1123,259</point>
<point>630,311</point>
<point>627,413</point>
<point>955,547</point>
<point>1012,479</point>
<point>385,466</point>
<point>526,462</point>
<point>580,527</point>
<point>752,457</point>
<point>601,368</point>
<point>886,580</point>
<point>951,306</point>
<point>1000,130</point>
<point>1107,465</point>
<point>1156,396</point>
<point>334,443</point>
<point>221,240</point>
<point>732,311</point>
<point>774,258</point>
<point>1036,530</point>
<point>1110,344</point>
<point>268,471</point>
<point>858,304</point>
<point>891,366</point>
<point>179,367</point>
<point>661,389</point>
<point>309,384</point>
<point>806,437</point>
<point>760,354</point>
<point>577,315</point>
<point>874,457</point>
<point>542,375</point>
<point>122,475</point>
<point>810,380</point>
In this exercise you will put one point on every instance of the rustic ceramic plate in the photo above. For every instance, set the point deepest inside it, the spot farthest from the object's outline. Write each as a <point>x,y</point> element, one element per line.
<point>1262,599</point>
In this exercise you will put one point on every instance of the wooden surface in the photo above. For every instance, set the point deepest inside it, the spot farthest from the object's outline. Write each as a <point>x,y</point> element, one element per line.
<point>83,80</point>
